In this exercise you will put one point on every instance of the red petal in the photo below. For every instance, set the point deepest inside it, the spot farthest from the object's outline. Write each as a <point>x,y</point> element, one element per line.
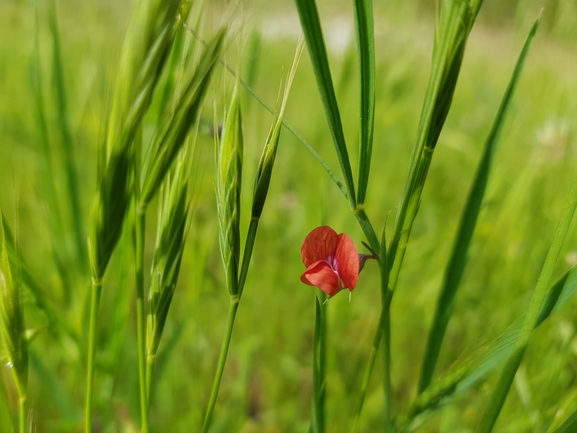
<point>319,245</point>
<point>347,261</point>
<point>321,275</point>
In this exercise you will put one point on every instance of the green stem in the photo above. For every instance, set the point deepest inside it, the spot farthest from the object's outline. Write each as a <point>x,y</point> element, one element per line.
<point>383,332</point>
<point>94,305</point>
<point>386,334</point>
<point>221,362</point>
<point>150,361</point>
<point>319,367</point>
<point>367,227</point>
<point>368,372</point>
<point>140,221</point>
<point>248,246</point>
<point>22,414</point>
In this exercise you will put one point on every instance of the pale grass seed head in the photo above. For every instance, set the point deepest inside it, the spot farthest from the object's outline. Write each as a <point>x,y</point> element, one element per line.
<point>12,327</point>
<point>173,223</point>
<point>176,128</point>
<point>228,187</point>
<point>150,37</point>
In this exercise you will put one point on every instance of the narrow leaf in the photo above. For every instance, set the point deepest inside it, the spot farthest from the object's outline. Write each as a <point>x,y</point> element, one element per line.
<point>311,25</point>
<point>570,425</point>
<point>366,54</point>
<point>458,260</point>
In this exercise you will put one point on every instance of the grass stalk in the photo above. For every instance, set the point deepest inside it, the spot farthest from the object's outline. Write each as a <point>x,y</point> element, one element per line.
<point>233,307</point>
<point>139,228</point>
<point>22,412</point>
<point>94,306</point>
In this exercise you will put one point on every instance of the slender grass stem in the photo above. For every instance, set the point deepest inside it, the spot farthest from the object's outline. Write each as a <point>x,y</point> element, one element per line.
<point>368,372</point>
<point>385,331</point>
<point>94,306</point>
<point>22,405</point>
<point>233,307</point>
<point>140,221</point>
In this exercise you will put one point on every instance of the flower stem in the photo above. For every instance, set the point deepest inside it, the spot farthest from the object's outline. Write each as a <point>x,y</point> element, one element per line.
<point>319,367</point>
<point>140,220</point>
<point>233,307</point>
<point>94,305</point>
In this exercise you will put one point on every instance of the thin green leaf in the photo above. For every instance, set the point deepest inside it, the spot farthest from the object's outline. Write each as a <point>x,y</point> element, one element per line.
<point>570,425</point>
<point>366,54</point>
<point>458,260</point>
<point>454,24</point>
<point>71,175</point>
<point>533,314</point>
<point>313,35</point>
<point>463,376</point>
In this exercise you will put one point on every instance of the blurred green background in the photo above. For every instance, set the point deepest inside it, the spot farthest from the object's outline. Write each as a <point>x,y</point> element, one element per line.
<point>268,379</point>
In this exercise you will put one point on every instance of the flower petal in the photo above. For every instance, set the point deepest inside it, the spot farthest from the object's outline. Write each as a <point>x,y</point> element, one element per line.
<point>347,261</point>
<point>319,245</point>
<point>321,275</point>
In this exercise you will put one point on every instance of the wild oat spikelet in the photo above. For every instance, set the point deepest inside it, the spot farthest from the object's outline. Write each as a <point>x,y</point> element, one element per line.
<point>228,186</point>
<point>176,128</point>
<point>12,327</point>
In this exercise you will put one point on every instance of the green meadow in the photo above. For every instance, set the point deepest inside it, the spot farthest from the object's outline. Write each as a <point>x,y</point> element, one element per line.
<point>86,87</point>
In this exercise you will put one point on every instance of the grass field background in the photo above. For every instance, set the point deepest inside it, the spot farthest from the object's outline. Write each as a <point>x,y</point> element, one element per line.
<point>267,382</point>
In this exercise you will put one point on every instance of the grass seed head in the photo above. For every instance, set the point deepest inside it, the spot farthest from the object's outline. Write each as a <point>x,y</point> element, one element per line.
<point>12,327</point>
<point>172,229</point>
<point>175,129</point>
<point>229,176</point>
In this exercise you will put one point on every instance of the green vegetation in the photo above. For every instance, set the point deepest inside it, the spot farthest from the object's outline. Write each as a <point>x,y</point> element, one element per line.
<point>442,139</point>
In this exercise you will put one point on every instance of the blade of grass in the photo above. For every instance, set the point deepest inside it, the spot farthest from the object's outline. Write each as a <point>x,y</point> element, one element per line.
<point>454,23</point>
<point>533,314</point>
<point>71,175</point>
<point>366,54</point>
<point>570,424</point>
<point>457,262</point>
<point>311,26</point>
<point>463,376</point>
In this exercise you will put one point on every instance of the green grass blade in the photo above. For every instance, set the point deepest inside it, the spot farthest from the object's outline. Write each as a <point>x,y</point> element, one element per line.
<point>311,25</point>
<point>458,260</point>
<point>71,175</point>
<point>454,24</point>
<point>463,376</point>
<point>533,314</point>
<point>570,424</point>
<point>366,54</point>
<point>319,361</point>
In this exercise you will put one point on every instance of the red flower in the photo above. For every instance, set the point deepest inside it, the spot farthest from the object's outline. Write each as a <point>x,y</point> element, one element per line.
<point>332,261</point>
